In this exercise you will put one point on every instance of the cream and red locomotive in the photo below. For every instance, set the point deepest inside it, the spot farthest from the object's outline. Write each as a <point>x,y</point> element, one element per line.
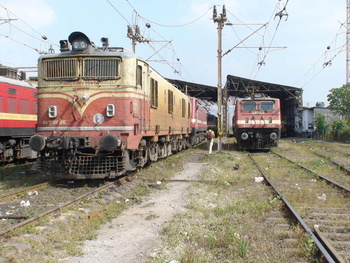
<point>18,108</point>
<point>257,122</point>
<point>104,112</point>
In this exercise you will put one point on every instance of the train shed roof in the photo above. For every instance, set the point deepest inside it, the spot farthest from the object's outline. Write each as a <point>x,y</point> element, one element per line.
<point>196,90</point>
<point>238,87</point>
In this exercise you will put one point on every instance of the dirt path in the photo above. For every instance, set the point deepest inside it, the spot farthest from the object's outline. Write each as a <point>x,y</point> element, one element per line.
<point>134,235</point>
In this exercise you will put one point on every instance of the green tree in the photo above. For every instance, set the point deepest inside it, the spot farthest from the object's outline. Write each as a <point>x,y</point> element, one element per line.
<point>339,100</point>
<point>320,123</point>
<point>338,125</point>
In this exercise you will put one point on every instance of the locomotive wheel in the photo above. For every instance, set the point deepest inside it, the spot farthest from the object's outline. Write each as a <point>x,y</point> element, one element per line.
<point>180,145</point>
<point>153,153</point>
<point>162,151</point>
<point>142,158</point>
<point>193,139</point>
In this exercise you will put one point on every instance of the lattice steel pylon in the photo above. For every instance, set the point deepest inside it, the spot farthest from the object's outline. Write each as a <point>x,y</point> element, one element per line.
<point>348,41</point>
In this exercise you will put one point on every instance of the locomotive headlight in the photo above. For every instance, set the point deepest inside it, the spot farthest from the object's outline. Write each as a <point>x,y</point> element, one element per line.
<point>52,111</point>
<point>244,136</point>
<point>273,136</point>
<point>110,110</point>
<point>79,45</point>
<point>86,96</point>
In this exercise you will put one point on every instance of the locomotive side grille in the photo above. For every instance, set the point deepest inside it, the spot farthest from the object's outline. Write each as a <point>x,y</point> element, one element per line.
<point>101,68</point>
<point>53,69</point>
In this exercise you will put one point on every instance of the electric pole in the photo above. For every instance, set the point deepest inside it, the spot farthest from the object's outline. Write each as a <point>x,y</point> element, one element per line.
<point>348,42</point>
<point>220,19</point>
<point>135,35</point>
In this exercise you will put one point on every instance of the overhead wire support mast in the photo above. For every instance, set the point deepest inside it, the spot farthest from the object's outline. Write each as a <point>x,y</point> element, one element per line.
<point>4,21</point>
<point>348,42</point>
<point>220,19</point>
<point>135,36</point>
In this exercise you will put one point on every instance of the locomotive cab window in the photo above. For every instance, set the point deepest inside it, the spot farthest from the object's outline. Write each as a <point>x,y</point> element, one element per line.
<point>101,68</point>
<point>59,69</point>
<point>88,68</point>
<point>249,106</point>
<point>267,105</point>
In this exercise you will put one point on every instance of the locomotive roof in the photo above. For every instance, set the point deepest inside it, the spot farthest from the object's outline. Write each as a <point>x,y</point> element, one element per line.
<point>117,52</point>
<point>16,82</point>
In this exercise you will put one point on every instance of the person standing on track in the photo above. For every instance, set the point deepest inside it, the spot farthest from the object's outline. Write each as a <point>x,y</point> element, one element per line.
<point>210,139</point>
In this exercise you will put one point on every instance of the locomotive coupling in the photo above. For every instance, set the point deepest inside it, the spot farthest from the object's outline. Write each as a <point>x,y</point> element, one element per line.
<point>39,142</point>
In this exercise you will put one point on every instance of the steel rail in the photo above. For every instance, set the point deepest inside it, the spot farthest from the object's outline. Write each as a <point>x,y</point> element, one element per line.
<point>191,181</point>
<point>36,218</point>
<point>342,187</point>
<point>38,186</point>
<point>318,243</point>
<point>333,161</point>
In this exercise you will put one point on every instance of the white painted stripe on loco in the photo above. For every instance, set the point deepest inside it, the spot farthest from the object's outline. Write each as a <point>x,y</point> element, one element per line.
<point>260,122</point>
<point>198,121</point>
<point>90,128</point>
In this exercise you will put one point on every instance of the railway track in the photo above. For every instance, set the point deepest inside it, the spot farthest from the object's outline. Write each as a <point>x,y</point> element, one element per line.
<point>33,203</point>
<point>319,203</point>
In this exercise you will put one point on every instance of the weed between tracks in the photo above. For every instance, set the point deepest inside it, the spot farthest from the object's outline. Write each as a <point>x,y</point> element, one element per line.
<point>13,177</point>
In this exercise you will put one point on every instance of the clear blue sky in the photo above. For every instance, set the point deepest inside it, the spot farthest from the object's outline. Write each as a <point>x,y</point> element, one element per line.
<point>311,26</point>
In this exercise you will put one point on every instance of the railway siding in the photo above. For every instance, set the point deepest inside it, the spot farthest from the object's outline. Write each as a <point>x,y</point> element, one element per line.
<point>327,207</point>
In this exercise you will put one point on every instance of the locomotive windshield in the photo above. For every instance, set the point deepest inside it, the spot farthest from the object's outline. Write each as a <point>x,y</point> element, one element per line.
<point>266,105</point>
<point>249,106</point>
<point>87,68</point>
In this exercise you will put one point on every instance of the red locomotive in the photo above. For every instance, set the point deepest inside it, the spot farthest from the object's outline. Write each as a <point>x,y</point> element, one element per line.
<point>212,122</point>
<point>257,122</point>
<point>199,124</point>
<point>18,108</point>
<point>104,112</point>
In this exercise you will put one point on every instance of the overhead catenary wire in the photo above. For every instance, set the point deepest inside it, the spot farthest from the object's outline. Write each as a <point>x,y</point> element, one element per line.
<point>275,14</point>
<point>327,62</point>
<point>41,37</point>
<point>258,59</point>
<point>150,42</point>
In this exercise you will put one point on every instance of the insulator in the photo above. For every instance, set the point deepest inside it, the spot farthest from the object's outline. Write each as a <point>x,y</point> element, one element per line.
<point>130,32</point>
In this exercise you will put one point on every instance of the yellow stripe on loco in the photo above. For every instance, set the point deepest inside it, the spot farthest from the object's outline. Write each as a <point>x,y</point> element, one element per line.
<point>18,117</point>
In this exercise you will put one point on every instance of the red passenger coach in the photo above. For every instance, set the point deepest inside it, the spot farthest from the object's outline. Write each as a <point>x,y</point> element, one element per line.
<point>257,122</point>
<point>18,109</point>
